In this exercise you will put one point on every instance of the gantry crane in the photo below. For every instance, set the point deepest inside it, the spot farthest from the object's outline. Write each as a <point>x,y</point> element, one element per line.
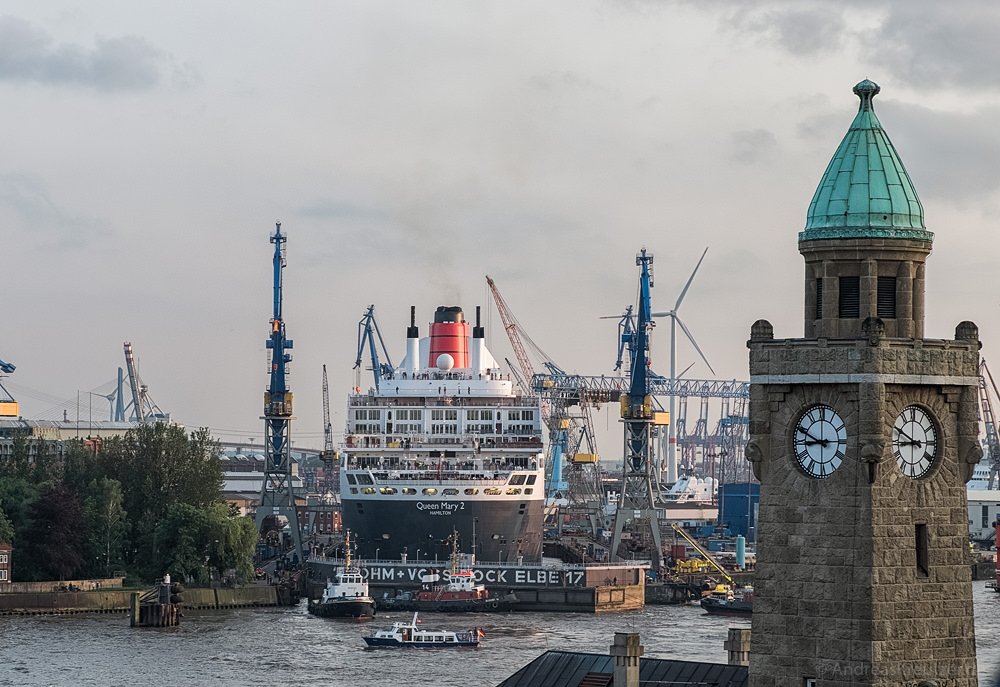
<point>992,457</point>
<point>329,456</point>
<point>276,496</point>
<point>369,333</point>
<point>572,473</point>
<point>514,333</point>
<point>636,509</point>
<point>142,406</point>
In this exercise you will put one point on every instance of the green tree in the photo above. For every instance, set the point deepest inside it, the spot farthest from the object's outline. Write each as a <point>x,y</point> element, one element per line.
<point>234,541</point>
<point>54,539</point>
<point>159,466</point>
<point>6,530</point>
<point>107,525</point>
<point>180,543</point>
<point>20,457</point>
<point>81,466</point>
<point>17,496</point>
<point>195,542</point>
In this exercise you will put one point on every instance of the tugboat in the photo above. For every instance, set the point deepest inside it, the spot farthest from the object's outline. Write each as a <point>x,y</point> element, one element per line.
<point>348,596</point>
<point>724,600</point>
<point>408,634</point>
<point>459,594</point>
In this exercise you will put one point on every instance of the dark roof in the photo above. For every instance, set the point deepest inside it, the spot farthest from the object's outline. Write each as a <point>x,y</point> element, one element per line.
<point>569,669</point>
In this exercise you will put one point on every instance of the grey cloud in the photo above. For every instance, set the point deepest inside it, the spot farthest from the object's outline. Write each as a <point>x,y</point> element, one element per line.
<point>125,63</point>
<point>752,146</point>
<point>936,44</point>
<point>558,81</point>
<point>329,208</point>
<point>950,155</point>
<point>27,200</point>
<point>802,30</point>
<point>923,43</point>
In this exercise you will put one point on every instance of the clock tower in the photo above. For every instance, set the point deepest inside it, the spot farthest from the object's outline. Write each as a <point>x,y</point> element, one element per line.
<point>863,435</point>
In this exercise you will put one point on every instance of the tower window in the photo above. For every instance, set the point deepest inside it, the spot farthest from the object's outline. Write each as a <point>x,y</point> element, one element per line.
<point>920,540</point>
<point>819,298</point>
<point>850,297</point>
<point>886,306</point>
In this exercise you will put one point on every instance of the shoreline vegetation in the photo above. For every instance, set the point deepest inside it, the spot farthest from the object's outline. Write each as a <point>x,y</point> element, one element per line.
<point>137,506</point>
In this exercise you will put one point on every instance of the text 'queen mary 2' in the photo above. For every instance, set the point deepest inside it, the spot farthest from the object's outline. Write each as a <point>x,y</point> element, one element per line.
<point>444,444</point>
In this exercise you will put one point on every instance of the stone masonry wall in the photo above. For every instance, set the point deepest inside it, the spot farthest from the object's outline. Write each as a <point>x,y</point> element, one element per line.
<point>838,594</point>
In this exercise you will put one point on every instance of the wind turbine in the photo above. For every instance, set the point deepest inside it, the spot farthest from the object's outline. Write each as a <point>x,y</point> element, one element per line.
<point>675,320</point>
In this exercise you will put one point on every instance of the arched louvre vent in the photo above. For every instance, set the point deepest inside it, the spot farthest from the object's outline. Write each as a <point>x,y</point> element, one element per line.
<point>850,297</point>
<point>886,297</point>
<point>819,298</point>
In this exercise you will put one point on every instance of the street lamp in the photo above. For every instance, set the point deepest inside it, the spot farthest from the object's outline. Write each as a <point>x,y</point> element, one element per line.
<point>376,553</point>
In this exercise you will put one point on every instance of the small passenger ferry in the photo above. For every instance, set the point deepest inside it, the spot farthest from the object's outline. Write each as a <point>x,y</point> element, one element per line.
<point>408,634</point>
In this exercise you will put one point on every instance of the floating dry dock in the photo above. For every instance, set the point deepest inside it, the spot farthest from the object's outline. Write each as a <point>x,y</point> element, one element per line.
<point>571,588</point>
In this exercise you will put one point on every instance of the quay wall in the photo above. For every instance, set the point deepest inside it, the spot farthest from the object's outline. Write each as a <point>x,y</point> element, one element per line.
<point>62,585</point>
<point>118,601</point>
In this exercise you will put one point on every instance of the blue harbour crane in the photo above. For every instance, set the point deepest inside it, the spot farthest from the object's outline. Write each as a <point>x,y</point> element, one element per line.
<point>277,498</point>
<point>8,406</point>
<point>370,335</point>
<point>636,509</point>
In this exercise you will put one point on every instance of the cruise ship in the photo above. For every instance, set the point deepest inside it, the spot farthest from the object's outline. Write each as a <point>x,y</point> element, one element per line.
<point>445,442</point>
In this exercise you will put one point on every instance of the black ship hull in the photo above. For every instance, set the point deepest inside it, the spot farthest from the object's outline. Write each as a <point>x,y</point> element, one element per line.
<point>388,529</point>
<point>732,608</point>
<point>354,608</point>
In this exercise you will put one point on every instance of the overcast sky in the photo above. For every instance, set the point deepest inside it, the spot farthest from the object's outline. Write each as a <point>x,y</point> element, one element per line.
<point>410,148</point>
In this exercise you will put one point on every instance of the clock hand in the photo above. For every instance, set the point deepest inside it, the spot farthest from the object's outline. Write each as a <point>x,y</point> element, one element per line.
<point>912,440</point>
<point>803,430</point>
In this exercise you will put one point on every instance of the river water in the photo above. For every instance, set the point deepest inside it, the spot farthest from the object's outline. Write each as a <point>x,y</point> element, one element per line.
<point>240,648</point>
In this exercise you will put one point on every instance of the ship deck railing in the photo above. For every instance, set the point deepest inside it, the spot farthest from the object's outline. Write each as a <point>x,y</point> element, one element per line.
<point>488,442</point>
<point>442,479</point>
<point>439,562</point>
<point>433,401</point>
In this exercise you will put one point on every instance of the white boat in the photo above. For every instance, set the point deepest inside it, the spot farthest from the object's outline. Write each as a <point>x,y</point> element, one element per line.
<point>347,597</point>
<point>408,634</point>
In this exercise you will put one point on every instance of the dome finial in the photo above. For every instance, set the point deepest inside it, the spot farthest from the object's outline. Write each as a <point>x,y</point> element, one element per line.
<point>866,90</point>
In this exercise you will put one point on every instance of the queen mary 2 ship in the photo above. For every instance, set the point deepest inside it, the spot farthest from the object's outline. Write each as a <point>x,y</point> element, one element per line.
<point>444,443</point>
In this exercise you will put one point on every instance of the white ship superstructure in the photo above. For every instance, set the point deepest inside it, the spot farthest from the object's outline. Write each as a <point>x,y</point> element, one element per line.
<point>445,443</point>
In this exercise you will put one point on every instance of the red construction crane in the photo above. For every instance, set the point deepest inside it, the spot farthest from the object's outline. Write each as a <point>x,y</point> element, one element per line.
<point>514,333</point>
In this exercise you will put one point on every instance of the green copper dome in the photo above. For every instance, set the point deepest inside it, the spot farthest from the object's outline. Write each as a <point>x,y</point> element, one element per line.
<point>865,191</point>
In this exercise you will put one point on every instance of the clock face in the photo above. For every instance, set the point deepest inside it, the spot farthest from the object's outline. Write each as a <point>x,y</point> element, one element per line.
<point>914,441</point>
<point>820,440</point>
